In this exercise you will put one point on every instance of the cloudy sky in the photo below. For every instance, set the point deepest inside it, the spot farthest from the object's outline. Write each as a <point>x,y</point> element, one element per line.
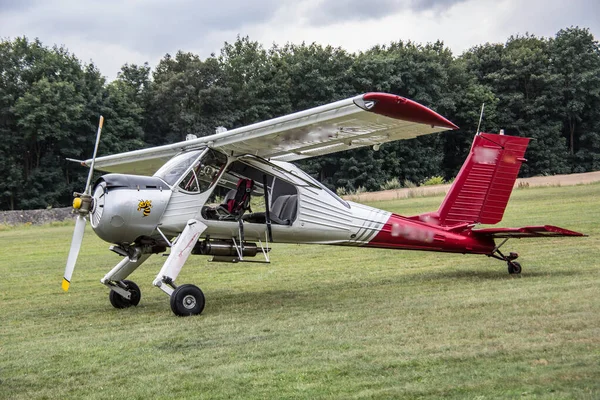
<point>114,32</point>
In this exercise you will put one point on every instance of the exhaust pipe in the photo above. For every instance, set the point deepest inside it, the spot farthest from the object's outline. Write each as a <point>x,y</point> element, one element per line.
<point>225,248</point>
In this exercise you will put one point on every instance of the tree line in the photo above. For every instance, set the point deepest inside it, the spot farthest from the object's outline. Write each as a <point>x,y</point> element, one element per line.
<point>544,88</point>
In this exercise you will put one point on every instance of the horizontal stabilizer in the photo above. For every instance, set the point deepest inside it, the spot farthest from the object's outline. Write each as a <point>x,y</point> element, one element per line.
<point>526,231</point>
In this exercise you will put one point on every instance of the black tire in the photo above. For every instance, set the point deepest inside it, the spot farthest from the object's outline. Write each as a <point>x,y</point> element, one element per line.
<point>119,301</point>
<point>514,267</point>
<point>187,300</point>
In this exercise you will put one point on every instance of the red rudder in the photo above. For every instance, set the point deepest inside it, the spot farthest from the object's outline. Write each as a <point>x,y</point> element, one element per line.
<point>483,186</point>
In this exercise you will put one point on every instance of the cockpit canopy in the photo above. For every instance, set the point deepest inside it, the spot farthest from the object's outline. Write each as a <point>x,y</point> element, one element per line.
<point>193,171</point>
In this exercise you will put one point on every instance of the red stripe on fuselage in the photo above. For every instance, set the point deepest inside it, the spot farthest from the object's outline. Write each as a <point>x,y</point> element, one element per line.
<point>407,234</point>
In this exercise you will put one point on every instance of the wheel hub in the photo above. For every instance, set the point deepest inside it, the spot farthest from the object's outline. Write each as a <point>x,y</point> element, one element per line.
<point>189,302</point>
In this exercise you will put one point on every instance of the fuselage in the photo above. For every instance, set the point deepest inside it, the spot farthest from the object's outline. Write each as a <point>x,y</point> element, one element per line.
<point>128,208</point>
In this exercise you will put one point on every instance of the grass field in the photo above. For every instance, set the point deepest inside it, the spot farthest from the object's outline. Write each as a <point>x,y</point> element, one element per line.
<point>318,322</point>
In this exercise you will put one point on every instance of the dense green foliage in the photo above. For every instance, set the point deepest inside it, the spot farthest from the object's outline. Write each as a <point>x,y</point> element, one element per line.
<point>544,88</point>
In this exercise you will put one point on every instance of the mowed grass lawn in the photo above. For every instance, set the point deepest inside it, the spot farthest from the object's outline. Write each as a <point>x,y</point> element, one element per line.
<point>319,321</point>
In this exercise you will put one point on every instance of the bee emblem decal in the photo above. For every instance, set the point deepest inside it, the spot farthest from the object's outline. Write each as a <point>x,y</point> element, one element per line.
<point>145,206</point>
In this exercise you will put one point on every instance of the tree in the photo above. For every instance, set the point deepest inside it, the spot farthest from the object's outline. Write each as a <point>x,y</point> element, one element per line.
<point>42,108</point>
<point>46,113</point>
<point>49,109</point>
<point>258,81</point>
<point>520,76</point>
<point>188,96</point>
<point>575,59</point>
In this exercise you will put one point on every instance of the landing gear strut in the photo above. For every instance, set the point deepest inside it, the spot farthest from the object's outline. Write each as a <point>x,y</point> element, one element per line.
<point>185,299</point>
<point>513,266</point>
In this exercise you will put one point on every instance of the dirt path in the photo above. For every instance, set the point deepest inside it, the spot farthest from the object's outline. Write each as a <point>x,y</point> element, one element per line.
<point>555,180</point>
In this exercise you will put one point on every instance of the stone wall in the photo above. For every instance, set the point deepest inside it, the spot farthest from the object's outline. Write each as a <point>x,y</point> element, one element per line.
<point>36,217</point>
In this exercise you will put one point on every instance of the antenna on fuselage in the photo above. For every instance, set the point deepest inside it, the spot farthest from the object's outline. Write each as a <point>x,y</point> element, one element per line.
<point>480,118</point>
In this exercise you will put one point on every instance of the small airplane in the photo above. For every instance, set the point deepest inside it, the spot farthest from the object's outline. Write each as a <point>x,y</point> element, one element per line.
<point>195,196</point>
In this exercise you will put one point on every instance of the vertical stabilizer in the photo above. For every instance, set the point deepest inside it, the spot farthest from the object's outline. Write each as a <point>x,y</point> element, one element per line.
<point>483,186</point>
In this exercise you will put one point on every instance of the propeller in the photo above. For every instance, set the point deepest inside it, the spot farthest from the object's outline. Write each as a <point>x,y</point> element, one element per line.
<point>82,204</point>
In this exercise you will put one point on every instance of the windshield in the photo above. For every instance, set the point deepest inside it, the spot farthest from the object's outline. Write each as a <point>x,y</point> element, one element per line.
<point>204,172</point>
<point>176,166</point>
<point>193,172</point>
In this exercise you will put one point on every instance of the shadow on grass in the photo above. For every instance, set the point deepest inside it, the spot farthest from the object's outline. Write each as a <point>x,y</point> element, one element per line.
<point>323,294</point>
<point>260,300</point>
<point>495,274</point>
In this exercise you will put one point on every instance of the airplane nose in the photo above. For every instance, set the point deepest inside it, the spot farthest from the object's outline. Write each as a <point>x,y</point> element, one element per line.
<point>99,217</point>
<point>98,202</point>
<point>126,207</point>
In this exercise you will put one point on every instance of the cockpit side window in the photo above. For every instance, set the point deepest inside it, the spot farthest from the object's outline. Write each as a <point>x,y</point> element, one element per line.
<point>335,196</point>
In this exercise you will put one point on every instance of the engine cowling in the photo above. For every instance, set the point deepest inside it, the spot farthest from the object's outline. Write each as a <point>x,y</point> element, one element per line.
<point>126,207</point>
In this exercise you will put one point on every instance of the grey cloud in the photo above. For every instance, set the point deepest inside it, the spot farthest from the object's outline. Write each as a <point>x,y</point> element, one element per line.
<point>17,5</point>
<point>338,11</point>
<point>328,12</point>
<point>424,5</point>
<point>555,16</point>
<point>154,27</point>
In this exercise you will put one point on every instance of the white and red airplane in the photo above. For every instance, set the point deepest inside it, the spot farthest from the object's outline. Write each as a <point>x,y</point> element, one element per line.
<point>171,196</point>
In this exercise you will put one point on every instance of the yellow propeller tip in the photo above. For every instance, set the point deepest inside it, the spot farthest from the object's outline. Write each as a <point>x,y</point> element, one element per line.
<point>65,284</point>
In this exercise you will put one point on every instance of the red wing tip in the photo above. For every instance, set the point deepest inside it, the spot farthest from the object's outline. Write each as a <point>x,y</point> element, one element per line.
<point>451,126</point>
<point>394,106</point>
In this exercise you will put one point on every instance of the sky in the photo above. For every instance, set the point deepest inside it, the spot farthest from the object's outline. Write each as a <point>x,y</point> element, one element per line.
<point>111,33</point>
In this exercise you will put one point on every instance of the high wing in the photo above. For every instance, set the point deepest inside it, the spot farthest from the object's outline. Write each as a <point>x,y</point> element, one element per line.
<point>364,120</point>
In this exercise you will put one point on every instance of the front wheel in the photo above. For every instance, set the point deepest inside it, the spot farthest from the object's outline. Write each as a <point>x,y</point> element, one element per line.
<point>119,301</point>
<point>187,300</point>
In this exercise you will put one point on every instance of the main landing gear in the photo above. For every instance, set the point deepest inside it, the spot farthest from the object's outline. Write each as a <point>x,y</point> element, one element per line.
<point>187,300</point>
<point>514,267</point>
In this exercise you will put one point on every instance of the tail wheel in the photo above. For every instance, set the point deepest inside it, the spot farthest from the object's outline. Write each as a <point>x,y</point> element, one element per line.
<point>187,300</point>
<point>514,267</point>
<point>119,301</point>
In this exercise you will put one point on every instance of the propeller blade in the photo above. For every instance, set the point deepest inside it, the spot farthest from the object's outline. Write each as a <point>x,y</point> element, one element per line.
<point>89,179</point>
<point>81,205</point>
<point>74,251</point>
